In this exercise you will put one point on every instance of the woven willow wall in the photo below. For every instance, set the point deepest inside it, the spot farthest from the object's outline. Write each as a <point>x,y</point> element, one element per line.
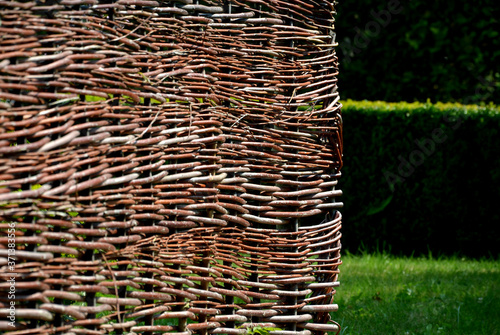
<point>168,166</point>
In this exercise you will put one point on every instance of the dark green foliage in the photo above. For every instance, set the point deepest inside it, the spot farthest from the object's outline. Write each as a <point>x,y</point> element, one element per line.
<point>420,177</point>
<point>418,50</point>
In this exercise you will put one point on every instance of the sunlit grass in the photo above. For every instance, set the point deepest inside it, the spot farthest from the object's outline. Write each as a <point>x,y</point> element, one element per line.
<point>380,294</point>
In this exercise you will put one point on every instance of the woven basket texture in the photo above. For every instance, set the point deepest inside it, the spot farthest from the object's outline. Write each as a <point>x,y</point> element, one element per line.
<point>168,167</point>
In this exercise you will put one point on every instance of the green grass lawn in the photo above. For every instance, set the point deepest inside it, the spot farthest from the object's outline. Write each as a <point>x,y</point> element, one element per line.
<point>381,294</point>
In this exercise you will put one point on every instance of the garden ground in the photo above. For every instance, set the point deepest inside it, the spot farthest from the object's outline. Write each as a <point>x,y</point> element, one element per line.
<point>382,294</point>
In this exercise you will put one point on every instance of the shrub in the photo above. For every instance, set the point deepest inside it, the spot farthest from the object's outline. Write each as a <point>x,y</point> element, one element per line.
<point>421,176</point>
<point>418,50</point>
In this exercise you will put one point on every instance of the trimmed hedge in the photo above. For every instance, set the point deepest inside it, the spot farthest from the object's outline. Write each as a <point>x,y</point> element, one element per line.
<point>418,50</point>
<point>420,177</point>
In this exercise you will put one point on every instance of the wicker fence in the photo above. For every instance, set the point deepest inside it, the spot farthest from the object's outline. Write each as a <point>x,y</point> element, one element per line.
<point>168,166</point>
